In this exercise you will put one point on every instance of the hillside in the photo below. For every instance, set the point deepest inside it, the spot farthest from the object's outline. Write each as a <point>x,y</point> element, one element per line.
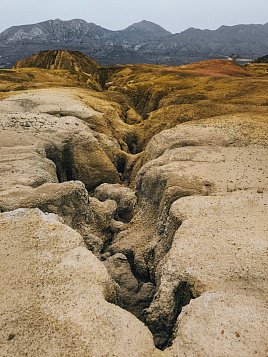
<point>72,61</point>
<point>77,63</point>
<point>143,42</point>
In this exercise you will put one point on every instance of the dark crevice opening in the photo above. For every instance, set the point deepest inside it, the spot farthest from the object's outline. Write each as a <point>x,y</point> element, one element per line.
<point>121,164</point>
<point>164,328</point>
<point>107,243</point>
<point>142,278</point>
<point>183,296</point>
<point>67,165</point>
<point>132,142</point>
<point>124,215</point>
<point>62,160</point>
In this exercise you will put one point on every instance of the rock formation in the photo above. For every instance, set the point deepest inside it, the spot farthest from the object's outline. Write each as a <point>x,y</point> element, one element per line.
<point>133,220</point>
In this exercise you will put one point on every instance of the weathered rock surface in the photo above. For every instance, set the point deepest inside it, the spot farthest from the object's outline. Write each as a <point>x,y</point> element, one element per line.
<point>220,245</point>
<point>55,294</point>
<point>222,324</point>
<point>88,160</point>
<point>215,240</point>
<point>67,199</point>
<point>133,294</point>
<point>56,124</point>
<point>123,196</point>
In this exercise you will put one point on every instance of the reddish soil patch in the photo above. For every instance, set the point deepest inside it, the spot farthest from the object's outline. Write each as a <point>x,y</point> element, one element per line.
<point>216,68</point>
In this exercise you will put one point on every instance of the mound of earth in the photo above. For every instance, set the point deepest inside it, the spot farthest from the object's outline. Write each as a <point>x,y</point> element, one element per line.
<point>217,68</point>
<point>73,61</point>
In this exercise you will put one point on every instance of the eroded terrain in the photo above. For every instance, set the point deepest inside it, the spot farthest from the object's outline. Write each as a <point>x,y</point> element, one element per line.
<point>119,238</point>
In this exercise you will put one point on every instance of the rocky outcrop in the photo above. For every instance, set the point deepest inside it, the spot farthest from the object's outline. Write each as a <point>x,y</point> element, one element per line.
<point>40,123</point>
<point>47,145</point>
<point>123,196</point>
<point>88,159</point>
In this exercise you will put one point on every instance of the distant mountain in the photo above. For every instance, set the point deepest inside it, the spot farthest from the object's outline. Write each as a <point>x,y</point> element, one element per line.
<point>142,42</point>
<point>263,59</point>
<point>147,28</point>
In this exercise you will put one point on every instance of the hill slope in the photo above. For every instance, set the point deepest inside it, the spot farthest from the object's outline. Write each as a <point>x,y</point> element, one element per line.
<point>77,63</point>
<point>72,61</point>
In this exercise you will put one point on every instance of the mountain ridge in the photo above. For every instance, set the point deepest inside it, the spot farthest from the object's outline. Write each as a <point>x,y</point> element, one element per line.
<point>137,23</point>
<point>141,42</point>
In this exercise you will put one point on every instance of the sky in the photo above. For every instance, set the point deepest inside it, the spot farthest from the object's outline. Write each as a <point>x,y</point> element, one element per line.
<point>174,15</point>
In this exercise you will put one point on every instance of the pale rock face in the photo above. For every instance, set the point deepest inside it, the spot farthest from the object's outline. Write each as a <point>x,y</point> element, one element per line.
<point>237,130</point>
<point>55,292</point>
<point>90,164</point>
<point>42,124</point>
<point>220,245</point>
<point>222,324</point>
<point>68,199</point>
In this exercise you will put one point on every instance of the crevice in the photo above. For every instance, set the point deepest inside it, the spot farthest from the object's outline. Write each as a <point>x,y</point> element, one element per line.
<point>67,170</point>
<point>138,288</point>
<point>163,328</point>
<point>132,142</point>
<point>121,164</point>
<point>142,278</point>
<point>133,270</point>
<point>62,160</point>
<point>106,245</point>
<point>136,291</point>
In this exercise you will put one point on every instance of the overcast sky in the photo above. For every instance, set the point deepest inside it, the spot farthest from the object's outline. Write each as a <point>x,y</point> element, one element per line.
<point>174,15</point>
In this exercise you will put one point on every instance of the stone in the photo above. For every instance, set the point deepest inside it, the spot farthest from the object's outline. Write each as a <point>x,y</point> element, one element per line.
<point>123,196</point>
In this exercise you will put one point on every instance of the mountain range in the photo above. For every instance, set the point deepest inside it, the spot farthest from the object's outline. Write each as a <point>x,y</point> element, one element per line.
<point>142,42</point>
